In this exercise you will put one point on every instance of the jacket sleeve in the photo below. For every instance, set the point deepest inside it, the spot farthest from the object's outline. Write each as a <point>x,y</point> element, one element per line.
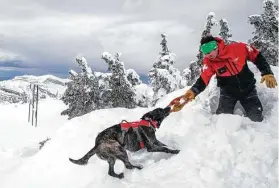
<point>262,65</point>
<point>258,59</point>
<point>206,73</point>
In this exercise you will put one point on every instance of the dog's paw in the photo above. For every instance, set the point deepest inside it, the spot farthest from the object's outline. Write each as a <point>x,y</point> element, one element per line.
<point>139,167</point>
<point>121,175</point>
<point>176,151</point>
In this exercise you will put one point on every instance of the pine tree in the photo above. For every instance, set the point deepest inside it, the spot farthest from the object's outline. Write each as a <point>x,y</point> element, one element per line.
<point>190,74</point>
<point>133,77</point>
<point>207,31</point>
<point>225,31</point>
<point>210,22</point>
<point>265,36</point>
<point>186,74</point>
<point>122,93</point>
<point>163,77</point>
<point>82,94</point>
<point>195,66</point>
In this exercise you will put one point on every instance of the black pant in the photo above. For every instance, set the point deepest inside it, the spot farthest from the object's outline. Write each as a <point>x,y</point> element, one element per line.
<point>250,102</point>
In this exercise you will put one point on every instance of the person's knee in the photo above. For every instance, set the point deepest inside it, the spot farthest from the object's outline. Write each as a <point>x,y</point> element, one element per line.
<point>223,110</point>
<point>256,117</point>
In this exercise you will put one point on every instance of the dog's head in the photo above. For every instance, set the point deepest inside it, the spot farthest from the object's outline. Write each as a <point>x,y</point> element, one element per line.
<point>158,115</point>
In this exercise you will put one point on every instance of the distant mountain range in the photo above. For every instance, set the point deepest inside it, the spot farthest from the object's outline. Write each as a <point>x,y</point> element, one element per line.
<point>18,88</point>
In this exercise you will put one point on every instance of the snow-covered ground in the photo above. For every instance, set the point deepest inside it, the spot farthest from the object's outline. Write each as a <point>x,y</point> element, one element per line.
<point>217,151</point>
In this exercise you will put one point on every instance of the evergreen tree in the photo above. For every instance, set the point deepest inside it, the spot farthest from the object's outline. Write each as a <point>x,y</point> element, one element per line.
<point>210,22</point>
<point>195,66</point>
<point>186,75</point>
<point>225,31</point>
<point>133,77</point>
<point>122,94</point>
<point>82,94</point>
<point>190,74</point>
<point>163,77</point>
<point>266,32</point>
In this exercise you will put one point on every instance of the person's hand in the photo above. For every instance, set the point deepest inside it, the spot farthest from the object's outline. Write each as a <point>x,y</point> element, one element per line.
<point>270,80</point>
<point>177,107</point>
<point>189,95</point>
<point>176,104</point>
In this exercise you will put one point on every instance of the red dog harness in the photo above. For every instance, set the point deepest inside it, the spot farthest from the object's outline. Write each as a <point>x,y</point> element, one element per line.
<point>137,124</point>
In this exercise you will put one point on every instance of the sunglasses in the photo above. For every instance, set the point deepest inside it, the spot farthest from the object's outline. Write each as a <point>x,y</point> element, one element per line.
<point>207,48</point>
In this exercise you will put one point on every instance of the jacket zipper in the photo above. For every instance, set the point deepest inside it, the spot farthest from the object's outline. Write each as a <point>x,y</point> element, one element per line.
<point>235,76</point>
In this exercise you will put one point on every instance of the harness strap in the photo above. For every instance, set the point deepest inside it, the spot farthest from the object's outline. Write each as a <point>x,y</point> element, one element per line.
<point>125,125</point>
<point>139,138</point>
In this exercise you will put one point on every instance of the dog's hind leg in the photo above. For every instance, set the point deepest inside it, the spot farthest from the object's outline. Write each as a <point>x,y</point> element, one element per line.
<point>111,162</point>
<point>85,158</point>
<point>123,156</point>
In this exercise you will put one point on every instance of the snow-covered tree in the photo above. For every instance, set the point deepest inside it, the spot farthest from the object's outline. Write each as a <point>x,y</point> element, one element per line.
<point>210,22</point>
<point>195,66</point>
<point>265,36</point>
<point>225,32</point>
<point>164,77</point>
<point>165,49</point>
<point>186,74</point>
<point>133,77</point>
<point>190,74</point>
<point>82,94</point>
<point>122,94</point>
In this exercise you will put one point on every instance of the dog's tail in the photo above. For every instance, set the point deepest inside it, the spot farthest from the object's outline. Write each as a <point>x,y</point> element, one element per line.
<point>85,158</point>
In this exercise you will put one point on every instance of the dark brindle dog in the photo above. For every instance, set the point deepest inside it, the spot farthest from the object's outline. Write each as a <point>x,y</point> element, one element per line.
<point>112,143</point>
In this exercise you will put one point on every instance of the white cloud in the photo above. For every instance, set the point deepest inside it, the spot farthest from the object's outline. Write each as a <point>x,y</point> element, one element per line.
<point>8,56</point>
<point>140,41</point>
<point>130,5</point>
<point>54,32</point>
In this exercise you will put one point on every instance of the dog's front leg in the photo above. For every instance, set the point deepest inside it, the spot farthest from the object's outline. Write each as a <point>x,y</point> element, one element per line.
<point>154,145</point>
<point>155,148</point>
<point>158,143</point>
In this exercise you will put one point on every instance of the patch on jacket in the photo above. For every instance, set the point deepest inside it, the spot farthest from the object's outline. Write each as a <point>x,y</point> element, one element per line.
<point>222,70</point>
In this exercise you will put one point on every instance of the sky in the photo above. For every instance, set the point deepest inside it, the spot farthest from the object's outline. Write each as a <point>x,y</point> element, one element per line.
<point>40,37</point>
<point>216,151</point>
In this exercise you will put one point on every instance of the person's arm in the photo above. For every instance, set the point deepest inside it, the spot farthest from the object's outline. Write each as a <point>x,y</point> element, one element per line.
<point>258,59</point>
<point>262,65</point>
<point>206,73</point>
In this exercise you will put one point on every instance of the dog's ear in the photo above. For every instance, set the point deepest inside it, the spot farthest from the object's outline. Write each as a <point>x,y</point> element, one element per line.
<point>151,114</point>
<point>147,116</point>
<point>156,114</point>
<point>167,110</point>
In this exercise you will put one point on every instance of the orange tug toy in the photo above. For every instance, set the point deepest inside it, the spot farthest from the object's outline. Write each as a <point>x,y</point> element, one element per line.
<point>176,104</point>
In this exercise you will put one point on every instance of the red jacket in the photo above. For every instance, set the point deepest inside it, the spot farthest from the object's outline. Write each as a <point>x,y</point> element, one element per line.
<point>231,69</point>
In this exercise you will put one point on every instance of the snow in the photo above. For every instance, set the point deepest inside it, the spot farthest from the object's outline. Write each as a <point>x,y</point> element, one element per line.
<point>73,73</point>
<point>107,56</point>
<point>217,151</point>
<point>265,1</point>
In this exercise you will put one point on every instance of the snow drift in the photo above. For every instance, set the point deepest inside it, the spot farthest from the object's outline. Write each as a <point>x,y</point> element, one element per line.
<point>218,151</point>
